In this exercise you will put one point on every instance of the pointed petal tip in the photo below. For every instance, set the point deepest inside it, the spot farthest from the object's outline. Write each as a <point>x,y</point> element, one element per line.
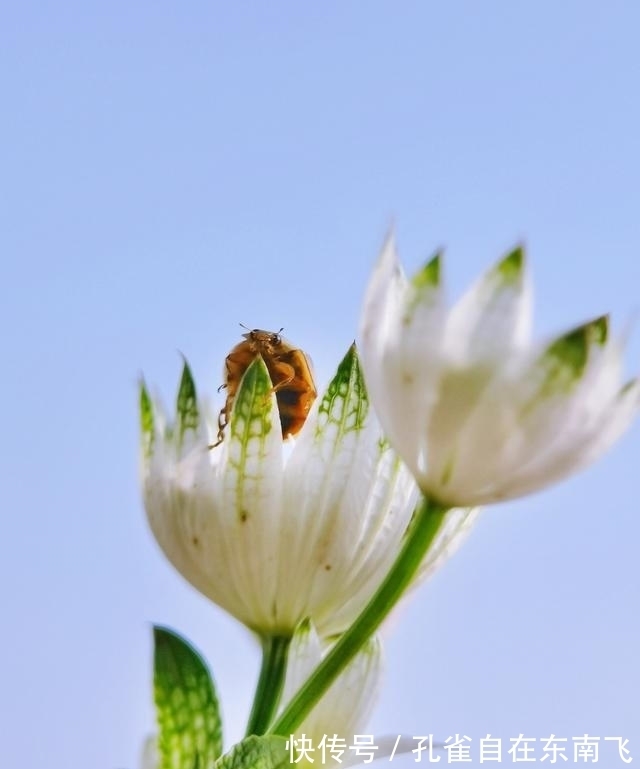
<point>142,388</point>
<point>598,329</point>
<point>186,373</point>
<point>593,331</point>
<point>146,404</point>
<point>254,404</point>
<point>390,234</point>
<point>183,358</point>
<point>385,289</point>
<point>518,252</point>
<point>388,257</point>
<point>349,364</point>
<point>147,419</point>
<point>431,274</point>
<point>571,349</point>
<point>344,406</point>
<point>187,387</point>
<point>512,267</point>
<point>576,346</point>
<point>187,402</point>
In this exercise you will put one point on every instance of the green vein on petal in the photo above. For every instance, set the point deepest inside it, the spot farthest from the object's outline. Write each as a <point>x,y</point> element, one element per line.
<point>598,330</point>
<point>251,415</point>
<point>570,352</point>
<point>565,360</point>
<point>383,445</point>
<point>187,403</point>
<point>345,405</point>
<point>147,422</point>
<point>424,287</point>
<point>429,276</point>
<point>509,270</point>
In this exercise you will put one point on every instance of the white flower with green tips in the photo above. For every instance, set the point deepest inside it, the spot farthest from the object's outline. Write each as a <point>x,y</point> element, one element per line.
<point>275,539</point>
<point>478,412</point>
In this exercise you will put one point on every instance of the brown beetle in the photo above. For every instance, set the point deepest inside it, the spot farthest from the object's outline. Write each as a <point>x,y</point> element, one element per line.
<point>290,373</point>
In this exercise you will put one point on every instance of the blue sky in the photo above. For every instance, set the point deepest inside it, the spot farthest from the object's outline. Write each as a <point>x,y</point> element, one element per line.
<point>170,170</point>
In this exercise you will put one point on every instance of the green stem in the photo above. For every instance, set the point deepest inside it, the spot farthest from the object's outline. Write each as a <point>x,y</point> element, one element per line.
<point>270,683</point>
<point>426,524</point>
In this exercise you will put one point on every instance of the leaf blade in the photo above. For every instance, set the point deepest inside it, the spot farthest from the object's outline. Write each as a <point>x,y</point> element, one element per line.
<point>188,714</point>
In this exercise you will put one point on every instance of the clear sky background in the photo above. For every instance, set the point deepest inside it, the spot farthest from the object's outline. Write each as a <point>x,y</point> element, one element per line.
<point>171,169</point>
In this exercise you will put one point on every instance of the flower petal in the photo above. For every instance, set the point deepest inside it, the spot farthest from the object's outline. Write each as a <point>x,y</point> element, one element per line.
<point>190,428</point>
<point>531,404</point>
<point>494,316</point>
<point>347,704</point>
<point>401,327</point>
<point>380,324</point>
<point>147,425</point>
<point>383,299</point>
<point>250,492</point>
<point>567,414</point>
<point>454,530</point>
<point>384,516</point>
<point>344,509</point>
<point>595,438</point>
<point>214,512</point>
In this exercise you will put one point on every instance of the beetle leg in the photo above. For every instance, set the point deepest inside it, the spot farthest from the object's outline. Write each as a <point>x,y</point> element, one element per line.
<point>288,372</point>
<point>233,367</point>
<point>222,423</point>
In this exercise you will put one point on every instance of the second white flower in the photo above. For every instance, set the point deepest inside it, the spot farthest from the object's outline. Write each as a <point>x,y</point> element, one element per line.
<point>478,412</point>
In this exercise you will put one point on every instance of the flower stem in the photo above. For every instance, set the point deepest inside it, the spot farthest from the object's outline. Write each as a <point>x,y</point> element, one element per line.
<point>426,524</point>
<point>270,683</point>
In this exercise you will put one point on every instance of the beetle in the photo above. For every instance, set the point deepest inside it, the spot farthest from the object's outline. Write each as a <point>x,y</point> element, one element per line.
<point>290,371</point>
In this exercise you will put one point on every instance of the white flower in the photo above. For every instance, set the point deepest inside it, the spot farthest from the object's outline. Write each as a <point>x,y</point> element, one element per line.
<point>346,706</point>
<point>344,710</point>
<point>477,412</point>
<point>273,540</point>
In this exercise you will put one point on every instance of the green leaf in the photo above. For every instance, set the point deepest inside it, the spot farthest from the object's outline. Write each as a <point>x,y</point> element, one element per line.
<point>190,728</point>
<point>268,752</point>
